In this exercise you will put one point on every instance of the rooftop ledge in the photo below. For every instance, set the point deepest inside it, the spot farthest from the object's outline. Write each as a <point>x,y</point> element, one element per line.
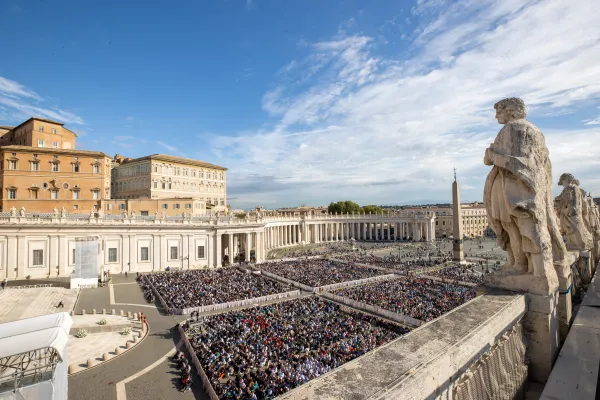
<point>424,362</point>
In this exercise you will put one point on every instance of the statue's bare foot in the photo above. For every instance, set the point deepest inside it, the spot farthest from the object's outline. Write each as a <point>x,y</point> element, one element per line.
<point>508,267</point>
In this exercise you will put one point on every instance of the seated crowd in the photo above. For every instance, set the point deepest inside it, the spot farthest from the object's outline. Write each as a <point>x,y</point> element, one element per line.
<point>197,288</point>
<point>319,272</point>
<point>419,298</point>
<point>463,273</point>
<point>392,261</point>
<point>263,352</point>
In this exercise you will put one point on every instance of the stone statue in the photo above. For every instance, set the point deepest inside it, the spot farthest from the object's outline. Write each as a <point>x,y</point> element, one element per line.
<point>132,213</point>
<point>22,211</point>
<point>63,212</point>
<point>163,215</point>
<point>155,214</point>
<point>92,213</point>
<point>13,211</point>
<point>520,208</point>
<point>571,204</point>
<point>55,212</point>
<point>100,213</point>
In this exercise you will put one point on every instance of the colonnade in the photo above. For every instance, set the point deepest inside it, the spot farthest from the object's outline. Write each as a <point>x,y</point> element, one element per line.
<point>290,234</point>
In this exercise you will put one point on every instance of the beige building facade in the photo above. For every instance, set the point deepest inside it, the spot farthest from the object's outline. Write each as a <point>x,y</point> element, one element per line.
<point>41,179</point>
<point>155,207</point>
<point>474,220</point>
<point>38,132</point>
<point>160,176</point>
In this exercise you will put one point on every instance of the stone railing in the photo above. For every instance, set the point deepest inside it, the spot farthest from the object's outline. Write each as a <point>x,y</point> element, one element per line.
<point>121,219</point>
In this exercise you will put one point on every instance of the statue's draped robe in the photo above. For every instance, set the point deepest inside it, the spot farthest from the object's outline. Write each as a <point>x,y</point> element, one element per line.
<point>574,217</point>
<point>518,190</point>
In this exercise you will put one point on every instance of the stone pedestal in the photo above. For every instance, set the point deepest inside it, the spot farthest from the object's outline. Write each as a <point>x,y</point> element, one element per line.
<point>540,327</point>
<point>565,304</point>
<point>584,265</point>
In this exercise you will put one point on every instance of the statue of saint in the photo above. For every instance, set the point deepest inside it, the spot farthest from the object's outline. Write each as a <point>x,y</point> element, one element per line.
<point>63,212</point>
<point>520,208</point>
<point>22,211</point>
<point>100,214</point>
<point>13,211</point>
<point>55,212</point>
<point>571,207</point>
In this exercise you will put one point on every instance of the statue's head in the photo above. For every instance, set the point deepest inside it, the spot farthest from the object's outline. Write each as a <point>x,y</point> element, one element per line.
<point>510,109</point>
<point>567,179</point>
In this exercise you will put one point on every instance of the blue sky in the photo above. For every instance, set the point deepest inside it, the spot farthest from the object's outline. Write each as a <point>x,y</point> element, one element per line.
<point>310,101</point>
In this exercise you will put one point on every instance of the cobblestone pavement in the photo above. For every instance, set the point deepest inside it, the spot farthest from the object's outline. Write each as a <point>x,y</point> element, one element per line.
<point>145,386</point>
<point>99,382</point>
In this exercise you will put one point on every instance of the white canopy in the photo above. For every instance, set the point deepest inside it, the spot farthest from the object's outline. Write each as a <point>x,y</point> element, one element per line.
<point>35,333</point>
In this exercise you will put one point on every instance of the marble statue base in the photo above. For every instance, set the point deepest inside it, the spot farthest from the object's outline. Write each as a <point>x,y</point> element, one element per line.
<point>565,304</point>
<point>540,326</point>
<point>518,282</point>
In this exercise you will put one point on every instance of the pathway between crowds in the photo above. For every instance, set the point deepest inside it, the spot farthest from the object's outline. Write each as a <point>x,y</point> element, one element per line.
<point>144,372</point>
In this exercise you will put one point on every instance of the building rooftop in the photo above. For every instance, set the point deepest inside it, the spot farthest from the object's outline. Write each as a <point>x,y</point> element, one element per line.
<point>39,119</point>
<point>173,159</point>
<point>29,149</point>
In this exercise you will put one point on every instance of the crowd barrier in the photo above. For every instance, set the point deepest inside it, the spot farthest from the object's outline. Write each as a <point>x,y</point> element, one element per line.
<point>233,304</point>
<point>397,317</point>
<point>289,259</point>
<point>212,395</point>
<point>334,286</point>
<point>364,265</point>
<point>29,286</point>
<point>453,280</point>
<point>162,301</point>
<point>289,281</point>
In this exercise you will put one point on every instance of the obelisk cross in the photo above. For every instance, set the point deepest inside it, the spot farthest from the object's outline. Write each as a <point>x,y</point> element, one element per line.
<point>454,174</point>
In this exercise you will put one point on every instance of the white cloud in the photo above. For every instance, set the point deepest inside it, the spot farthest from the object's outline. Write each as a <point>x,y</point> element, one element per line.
<point>22,103</point>
<point>171,149</point>
<point>363,120</point>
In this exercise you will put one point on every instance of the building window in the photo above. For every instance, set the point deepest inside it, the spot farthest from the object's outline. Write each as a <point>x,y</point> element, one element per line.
<point>174,255</point>
<point>75,207</point>
<point>75,167</point>
<point>112,254</point>
<point>144,213</point>
<point>54,194</point>
<point>53,130</point>
<point>155,185</point>
<point>55,167</point>
<point>156,168</point>
<point>164,185</point>
<point>12,164</point>
<point>96,169</point>
<point>40,143</point>
<point>176,206</point>
<point>121,206</point>
<point>108,207</point>
<point>95,194</point>
<point>188,206</point>
<point>55,145</point>
<point>200,251</point>
<point>35,166</point>
<point>75,194</point>
<point>34,194</point>
<point>41,128</point>
<point>73,262</point>
<point>164,206</point>
<point>12,194</point>
<point>144,255</point>
<point>38,257</point>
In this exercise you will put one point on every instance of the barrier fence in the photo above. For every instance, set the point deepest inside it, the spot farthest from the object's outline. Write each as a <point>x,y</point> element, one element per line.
<point>289,259</point>
<point>162,301</point>
<point>289,281</point>
<point>212,395</point>
<point>28,286</point>
<point>233,304</point>
<point>463,283</point>
<point>397,317</point>
<point>334,286</point>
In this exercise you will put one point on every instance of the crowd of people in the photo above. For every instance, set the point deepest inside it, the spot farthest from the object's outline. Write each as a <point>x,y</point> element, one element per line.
<point>263,352</point>
<point>458,272</point>
<point>419,298</point>
<point>320,272</point>
<point>394,262</point>
<point>195,288</point>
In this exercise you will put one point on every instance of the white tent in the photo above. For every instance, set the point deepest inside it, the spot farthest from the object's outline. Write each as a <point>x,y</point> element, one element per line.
<point>37,337</point>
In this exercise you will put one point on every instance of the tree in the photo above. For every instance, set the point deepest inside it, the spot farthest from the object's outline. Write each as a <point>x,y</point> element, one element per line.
<point>372,209</point>
<point>344,207</point>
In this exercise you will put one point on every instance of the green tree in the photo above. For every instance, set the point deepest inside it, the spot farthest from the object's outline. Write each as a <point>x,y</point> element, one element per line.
<point>344,207</point>
<point>372,209</point>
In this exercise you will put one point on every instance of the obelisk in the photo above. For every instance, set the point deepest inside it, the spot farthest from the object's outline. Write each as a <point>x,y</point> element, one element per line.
<point>458,254</point>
